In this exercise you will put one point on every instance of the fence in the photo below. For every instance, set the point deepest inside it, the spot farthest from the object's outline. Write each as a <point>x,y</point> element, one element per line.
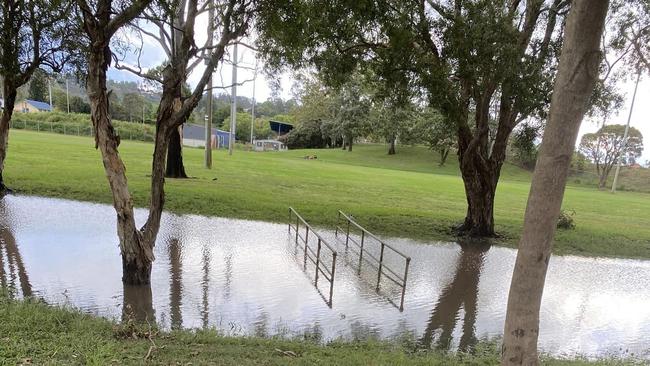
<point>316,257</point>
<point>383,270</point>
<point>126,130</point>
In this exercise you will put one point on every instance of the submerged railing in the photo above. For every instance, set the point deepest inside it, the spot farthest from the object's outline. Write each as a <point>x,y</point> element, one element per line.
<point>383,270</point>
<point>316,257</point>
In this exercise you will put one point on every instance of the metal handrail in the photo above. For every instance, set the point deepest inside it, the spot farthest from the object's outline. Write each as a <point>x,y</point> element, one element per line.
<point>314,257</point>
<point>381,267</point>
<point>368,233</point>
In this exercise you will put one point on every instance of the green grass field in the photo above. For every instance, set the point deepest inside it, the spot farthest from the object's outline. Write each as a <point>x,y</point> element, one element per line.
<point>402,195</point>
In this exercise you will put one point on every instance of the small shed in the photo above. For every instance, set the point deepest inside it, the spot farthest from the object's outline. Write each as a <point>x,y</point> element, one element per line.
<point>268,145</point>
<point>32,106</point>
<point>194,135</point>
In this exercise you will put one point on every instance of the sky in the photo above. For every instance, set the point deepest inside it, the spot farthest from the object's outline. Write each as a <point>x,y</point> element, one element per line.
<point>152,55</point>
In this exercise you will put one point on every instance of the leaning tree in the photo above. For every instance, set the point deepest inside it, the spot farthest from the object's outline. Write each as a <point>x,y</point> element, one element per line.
<point>477,61</point>
<point>101,20</point>
<point>34,34</point>
<point>577,75</point>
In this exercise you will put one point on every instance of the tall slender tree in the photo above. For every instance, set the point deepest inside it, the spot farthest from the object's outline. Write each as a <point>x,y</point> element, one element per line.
<point>577,75</point>
<point>100,24</point>
<point>33,34</point>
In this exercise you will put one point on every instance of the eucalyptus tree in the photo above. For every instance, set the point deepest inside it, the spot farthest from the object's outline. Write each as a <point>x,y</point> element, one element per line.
<point>608,145</point>
<point>476,61</point>
<point>101,20</point>
<point>34,34</point>
<point>577,75</point>
<point>164,22</point>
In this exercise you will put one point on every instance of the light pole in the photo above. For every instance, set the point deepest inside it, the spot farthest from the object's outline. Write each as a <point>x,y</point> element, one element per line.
<point>233,108</point>
<point>253,108</point>
<point>627,130</point>
<point>49,88</point>
<point>208,121</point>
<point>67,93</point>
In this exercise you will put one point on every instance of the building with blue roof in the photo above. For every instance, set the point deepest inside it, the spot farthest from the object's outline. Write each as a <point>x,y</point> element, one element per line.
<point>32,106</point>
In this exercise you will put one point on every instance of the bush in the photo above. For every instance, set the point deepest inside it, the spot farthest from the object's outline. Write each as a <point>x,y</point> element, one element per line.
<point>565,220</point>
<point>308,135</point>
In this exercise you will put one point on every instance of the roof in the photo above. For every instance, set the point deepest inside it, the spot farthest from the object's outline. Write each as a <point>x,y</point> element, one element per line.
<point>280,127</point>
<point>41,106</point>
<point>195,132</point>
<point>269,141</point>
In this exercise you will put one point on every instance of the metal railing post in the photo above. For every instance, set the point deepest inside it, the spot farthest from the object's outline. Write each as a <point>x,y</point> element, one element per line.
<point>306,235</point>
<point>317,261</point>
<point>406,272</point>
<point>289,220</point>
<point>297,225</point>
<point>338,220</point>
<point>347,235</point>
<point>363,236</point>
<point>304,261</point>
<point>332,279</point>
<point>381,263</point>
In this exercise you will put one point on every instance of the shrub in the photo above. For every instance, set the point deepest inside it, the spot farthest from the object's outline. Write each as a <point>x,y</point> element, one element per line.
<point>565,220</point>
<point>308,135</point>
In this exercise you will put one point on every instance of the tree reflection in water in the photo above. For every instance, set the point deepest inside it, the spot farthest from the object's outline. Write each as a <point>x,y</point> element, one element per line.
<point>176,287</point>
<point>138,304</point>
<point>462,291</point>
<point>15,267</point>
<point>205,286</point>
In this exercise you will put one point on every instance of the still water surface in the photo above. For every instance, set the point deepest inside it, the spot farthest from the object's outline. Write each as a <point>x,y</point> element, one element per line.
<point>246,277</point>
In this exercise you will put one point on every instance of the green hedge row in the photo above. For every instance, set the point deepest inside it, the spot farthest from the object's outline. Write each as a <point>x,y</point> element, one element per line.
<point>78,124</point>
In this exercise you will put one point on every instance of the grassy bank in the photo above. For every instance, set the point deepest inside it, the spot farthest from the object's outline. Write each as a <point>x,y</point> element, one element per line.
<point>34,333</point>
<point>402,195</point>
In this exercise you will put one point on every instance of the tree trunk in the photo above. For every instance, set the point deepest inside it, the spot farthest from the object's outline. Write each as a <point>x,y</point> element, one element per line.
<point>602,181</point>
<point>10,93</point>
<point>350,144</point>
<point>175,167</point>
<point>577,73</point>
<point>444,153</point>
<point>480,183</point>
<point>391,147</point>
<point>136,250</point>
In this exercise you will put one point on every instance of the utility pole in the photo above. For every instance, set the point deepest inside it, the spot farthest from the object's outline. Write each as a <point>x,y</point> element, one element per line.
<point>67,93</point>
<point>49,87</point>
<point>253,108</point>
<point>208,121</point>
<point>627,130</point>
<point>233,108</point>
<point>3,93</point>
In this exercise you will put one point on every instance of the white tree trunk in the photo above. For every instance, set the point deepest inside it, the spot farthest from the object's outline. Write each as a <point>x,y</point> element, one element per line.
<point>577,73</point>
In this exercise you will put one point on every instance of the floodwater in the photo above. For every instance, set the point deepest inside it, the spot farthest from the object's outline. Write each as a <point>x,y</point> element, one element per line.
<point>247,277</point>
